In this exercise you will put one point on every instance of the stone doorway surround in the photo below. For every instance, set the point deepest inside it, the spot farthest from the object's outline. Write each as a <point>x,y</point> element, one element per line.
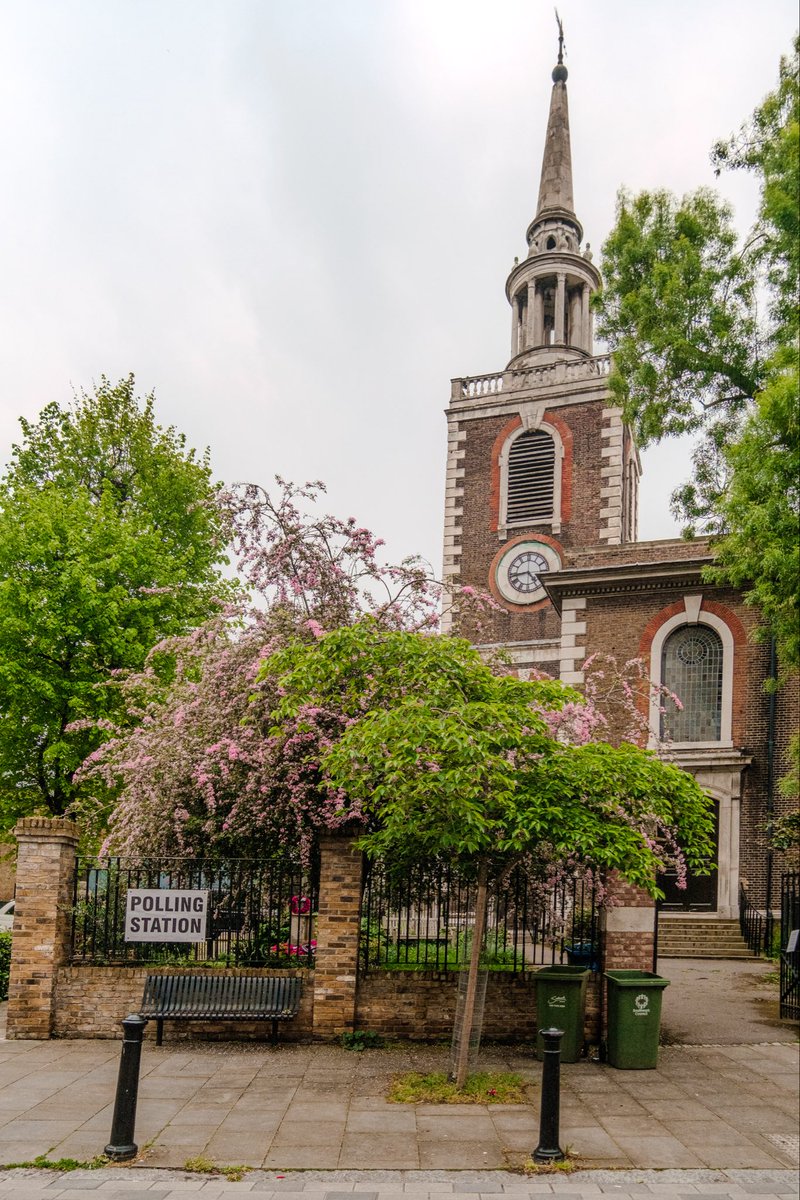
<point>719,772</point>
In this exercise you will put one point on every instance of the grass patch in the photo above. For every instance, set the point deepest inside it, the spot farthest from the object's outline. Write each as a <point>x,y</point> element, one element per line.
<point>59,1164</point>
<point>564,1166</point>
<point>206,1166</point>
<point>485,1087</point>
<point>362,1039</point>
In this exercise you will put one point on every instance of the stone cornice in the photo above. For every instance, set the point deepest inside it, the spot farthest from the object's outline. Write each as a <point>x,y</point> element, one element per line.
<point>624,577</point>
<point>707,758</point>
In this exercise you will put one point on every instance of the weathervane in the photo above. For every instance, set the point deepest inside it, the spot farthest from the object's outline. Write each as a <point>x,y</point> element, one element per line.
<point>560,38</point>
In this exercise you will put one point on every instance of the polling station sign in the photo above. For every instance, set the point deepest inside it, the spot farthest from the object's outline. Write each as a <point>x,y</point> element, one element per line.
<point>165,915</point>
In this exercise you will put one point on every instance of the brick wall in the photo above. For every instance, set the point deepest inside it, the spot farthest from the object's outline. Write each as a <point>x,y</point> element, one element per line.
<point>421,1005</point>
<point>628,928</point>
<point>338,929</point>
<point>45,863</point>
<point>91,1001</point>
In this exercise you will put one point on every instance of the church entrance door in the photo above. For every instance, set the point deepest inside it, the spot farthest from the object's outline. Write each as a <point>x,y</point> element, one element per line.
<point>700,893</point>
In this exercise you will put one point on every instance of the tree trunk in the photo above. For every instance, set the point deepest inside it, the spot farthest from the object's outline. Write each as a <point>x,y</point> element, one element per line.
<point>462,1063</point>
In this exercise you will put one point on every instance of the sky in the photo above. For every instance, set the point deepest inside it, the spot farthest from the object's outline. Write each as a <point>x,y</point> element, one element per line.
<point>293,219</point>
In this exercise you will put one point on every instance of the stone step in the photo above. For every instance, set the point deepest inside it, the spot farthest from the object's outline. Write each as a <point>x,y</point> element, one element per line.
<point>680,936</point>
<point>705,952</point>
<point>679,946</point>
<point>698,931</point>
<point>698,922</point>
<point>698,936</point>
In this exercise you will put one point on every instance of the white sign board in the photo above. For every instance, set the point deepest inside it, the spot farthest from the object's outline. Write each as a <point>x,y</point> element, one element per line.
<point>165,915</point>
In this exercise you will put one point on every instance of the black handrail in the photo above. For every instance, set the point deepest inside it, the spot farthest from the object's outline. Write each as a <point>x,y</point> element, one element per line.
<point>757,927</point>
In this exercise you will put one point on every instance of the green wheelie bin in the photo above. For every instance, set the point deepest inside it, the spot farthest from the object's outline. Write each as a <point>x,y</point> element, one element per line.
<point>560,1002</point>
<point>634,1018</point>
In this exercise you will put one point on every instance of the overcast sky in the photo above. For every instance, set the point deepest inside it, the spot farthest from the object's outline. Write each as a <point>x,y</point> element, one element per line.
<point>294,219</point>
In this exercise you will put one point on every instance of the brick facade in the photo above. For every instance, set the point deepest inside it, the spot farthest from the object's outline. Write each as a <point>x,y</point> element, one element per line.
<point>613,595</point>
<point>579,426</point>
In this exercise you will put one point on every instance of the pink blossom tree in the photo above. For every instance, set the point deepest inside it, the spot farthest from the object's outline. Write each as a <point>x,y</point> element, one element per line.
<point>196,768</point>
<point>329,700</point>
<point>217,756</point>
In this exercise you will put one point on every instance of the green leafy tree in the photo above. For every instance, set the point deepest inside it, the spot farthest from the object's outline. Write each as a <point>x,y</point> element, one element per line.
<point>679,309</point>
<point>761,507</point>
<point>437,755</point>
<point>110,541</point>
<point>414,737</point>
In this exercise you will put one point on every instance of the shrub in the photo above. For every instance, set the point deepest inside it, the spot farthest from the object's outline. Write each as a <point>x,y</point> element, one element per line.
<point>5,963</point>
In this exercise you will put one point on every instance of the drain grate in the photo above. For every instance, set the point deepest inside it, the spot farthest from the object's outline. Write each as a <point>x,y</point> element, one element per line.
<point>789,1143</point>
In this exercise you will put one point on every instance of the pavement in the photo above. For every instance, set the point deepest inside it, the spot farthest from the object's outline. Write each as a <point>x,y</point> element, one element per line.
<point>722,1001</point>
<point>149,1184</point>
<point>712,1119</point>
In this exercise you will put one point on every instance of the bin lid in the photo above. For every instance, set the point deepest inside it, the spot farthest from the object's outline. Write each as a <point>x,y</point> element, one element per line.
<point>637,979</point>
<point>564,972</point>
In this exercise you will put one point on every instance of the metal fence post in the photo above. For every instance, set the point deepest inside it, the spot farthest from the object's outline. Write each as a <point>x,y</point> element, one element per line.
<point>122,1146</point>
<point>548,1149</point>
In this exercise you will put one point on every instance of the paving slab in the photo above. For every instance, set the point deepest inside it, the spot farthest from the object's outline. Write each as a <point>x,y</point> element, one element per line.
<point>664,1117</point>
<point>152,1184</point>
<point>717,1106</point>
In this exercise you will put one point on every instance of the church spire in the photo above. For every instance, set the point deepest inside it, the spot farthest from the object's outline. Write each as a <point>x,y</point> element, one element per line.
<point>555,188</point>
<point>550,290</point>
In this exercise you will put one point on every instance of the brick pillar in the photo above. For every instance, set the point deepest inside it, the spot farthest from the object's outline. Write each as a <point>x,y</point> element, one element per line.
<point>337,930</point>
<point>628,928</point>
<point>40,945</point>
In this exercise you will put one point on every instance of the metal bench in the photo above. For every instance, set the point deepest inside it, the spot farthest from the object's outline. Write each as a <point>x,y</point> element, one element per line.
<point>220,998</point>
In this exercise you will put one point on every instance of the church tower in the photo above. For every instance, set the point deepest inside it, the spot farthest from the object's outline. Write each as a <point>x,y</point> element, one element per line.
<point>541,510</point>
<point>540,466</point>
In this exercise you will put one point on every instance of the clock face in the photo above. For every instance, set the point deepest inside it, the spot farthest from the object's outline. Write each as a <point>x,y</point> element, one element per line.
<point>524,571</point>
<point>518,570</point>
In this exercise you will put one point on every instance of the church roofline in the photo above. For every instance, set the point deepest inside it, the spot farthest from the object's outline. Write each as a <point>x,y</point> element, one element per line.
<point>625,577</point>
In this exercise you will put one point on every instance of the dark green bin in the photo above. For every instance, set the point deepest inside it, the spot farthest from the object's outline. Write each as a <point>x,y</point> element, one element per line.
<point>634,1018</point>
<point>560,1002</point>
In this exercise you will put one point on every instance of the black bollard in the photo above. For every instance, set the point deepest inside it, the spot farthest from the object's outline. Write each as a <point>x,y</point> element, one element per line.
<point>122,1146</point>
<point>548,1149</point>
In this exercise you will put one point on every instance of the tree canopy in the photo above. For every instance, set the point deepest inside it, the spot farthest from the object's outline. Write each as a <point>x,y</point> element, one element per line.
<point>111,539</point>
<point>680,309</point>
<point>331,702</point>
<point>193,767</point>
<point>434,754</point>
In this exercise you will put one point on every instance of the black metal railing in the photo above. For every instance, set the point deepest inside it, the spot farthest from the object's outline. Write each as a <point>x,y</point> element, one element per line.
<point>757,927</point>
<point>790,952</point>
<point>423,919</point>
<point>259,913</point>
